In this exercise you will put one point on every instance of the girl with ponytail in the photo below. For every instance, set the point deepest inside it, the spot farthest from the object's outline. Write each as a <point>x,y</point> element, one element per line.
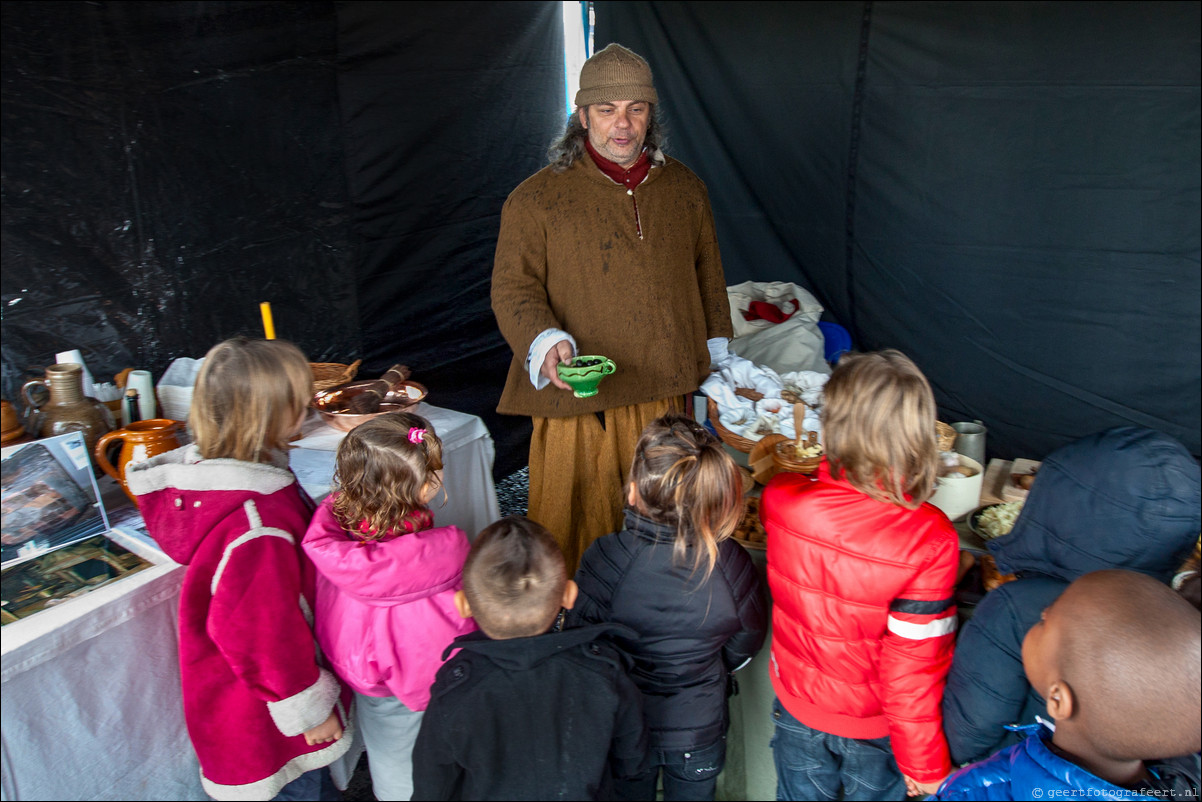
<point>691,595</point>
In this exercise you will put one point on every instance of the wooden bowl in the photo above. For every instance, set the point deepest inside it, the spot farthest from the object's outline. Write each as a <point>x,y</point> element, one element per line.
<point>784,454</point>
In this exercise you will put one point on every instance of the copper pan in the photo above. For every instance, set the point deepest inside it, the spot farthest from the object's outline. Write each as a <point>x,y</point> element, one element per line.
<point>332,404</point>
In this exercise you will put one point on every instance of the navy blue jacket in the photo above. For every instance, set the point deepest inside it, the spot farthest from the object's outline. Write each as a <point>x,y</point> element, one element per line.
<point>1030,770</point>
<point>1124,498</point>
<point>692,632</point>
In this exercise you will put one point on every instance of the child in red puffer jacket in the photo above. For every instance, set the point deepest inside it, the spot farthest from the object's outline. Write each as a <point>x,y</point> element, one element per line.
<point>861,570</point>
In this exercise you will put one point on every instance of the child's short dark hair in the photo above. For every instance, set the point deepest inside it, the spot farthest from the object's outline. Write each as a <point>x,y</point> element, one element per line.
<point>1132,649</point>
<point>514,578</point>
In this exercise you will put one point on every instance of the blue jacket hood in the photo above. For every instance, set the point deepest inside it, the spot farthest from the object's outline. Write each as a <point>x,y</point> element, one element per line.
<point>1030,770</point>
<point>1127,497</point>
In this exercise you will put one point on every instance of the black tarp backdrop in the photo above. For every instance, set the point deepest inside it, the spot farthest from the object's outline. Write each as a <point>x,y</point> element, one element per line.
<point>166,166</point>
<point>446,107</point>
<point>1008,192</point>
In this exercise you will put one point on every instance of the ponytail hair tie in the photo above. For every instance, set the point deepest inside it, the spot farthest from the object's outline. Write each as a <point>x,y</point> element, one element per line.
<point>416,435</point>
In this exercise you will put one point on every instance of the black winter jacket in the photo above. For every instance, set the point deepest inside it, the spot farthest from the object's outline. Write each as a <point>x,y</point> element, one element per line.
<point>692,632</point>
<point>1125,498</point>
<point>549,717</point>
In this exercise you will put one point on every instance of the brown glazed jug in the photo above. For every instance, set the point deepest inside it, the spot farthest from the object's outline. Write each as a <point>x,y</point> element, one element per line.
<point>67,409</point>
<point>139,441</point>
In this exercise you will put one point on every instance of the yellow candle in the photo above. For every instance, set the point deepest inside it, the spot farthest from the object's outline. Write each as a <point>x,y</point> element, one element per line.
<point>268,325</point>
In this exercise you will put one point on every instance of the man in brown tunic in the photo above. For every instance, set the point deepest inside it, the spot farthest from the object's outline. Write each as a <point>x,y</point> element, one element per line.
<point>609,250</point>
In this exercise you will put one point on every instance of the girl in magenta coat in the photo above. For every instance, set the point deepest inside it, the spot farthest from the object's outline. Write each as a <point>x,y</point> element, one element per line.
<point>386,585</point>
<point>261,710</point>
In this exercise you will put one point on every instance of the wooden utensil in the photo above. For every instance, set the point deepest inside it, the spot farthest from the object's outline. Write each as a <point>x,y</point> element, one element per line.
<point>368,401</point>
<point>760,460</point>
<point>799,422</point>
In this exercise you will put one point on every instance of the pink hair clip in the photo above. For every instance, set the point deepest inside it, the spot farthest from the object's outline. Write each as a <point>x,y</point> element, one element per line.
<point>416,435</point>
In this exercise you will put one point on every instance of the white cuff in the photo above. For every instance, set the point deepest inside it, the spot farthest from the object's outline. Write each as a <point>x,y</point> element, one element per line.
<point>307,709</point>
<point>538,353</point>
<point>718,351</point>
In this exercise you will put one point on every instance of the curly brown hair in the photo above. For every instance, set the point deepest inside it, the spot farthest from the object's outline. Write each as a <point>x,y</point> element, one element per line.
<point>383,467</point>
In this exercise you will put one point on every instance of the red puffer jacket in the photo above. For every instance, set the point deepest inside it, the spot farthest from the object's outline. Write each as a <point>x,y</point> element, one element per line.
<point>863,620</point>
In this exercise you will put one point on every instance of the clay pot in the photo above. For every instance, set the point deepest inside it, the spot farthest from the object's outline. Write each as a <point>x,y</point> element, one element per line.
<point>67,409</point>
<point>10,425</point>
<point>139,441</point>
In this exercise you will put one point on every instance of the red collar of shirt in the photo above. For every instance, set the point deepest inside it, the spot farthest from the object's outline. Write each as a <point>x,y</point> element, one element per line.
<point>418,520</point>
<point>630,178</point>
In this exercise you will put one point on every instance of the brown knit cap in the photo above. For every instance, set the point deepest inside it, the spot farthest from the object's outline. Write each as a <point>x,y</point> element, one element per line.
<point>615,73</point>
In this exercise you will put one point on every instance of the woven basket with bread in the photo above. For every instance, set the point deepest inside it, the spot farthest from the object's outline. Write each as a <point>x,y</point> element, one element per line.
<point>331,374</point>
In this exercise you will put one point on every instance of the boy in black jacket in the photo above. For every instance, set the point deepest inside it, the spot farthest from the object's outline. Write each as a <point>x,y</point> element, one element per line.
<point>521,712</point>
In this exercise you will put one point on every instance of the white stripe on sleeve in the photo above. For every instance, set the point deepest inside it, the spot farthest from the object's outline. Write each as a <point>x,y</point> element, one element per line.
<point>932,629</point>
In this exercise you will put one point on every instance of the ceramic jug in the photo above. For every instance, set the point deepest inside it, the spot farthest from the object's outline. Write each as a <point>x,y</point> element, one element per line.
<point>139,441</point>
<point>67,409</point>
<point>10,425</point>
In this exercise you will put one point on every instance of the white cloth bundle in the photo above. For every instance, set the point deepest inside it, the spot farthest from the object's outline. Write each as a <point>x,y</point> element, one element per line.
<point>743,416</point>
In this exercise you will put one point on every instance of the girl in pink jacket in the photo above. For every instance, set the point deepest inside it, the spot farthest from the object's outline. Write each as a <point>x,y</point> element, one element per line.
<point>386,585</point>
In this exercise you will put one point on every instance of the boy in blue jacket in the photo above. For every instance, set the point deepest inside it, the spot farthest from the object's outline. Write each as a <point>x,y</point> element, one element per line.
<point>1128,498</point>
<point>1118,657</point>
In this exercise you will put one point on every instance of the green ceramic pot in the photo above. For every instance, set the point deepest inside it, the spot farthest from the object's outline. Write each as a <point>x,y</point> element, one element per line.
<point>584,373</point>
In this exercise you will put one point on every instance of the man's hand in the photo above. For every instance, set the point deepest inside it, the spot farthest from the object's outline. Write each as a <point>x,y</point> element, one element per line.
<point>915,788</point>
<point>328,730</point>
<point>560,352</point>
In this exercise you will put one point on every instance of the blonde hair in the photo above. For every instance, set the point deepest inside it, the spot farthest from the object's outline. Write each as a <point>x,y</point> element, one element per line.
<point>383,465</point>
<point>684,478</point>
<point>878,427</point>
<point>514,578</point>
<point>248,398</point>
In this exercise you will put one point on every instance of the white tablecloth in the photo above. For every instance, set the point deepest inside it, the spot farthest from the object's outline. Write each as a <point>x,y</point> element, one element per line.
<point>467,456</point>
<point>92,706</point>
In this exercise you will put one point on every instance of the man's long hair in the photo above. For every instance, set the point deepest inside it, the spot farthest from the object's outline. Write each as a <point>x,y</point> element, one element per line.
<point>570,147</point>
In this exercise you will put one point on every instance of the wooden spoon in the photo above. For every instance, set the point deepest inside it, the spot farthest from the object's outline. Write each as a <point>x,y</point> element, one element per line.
<point>799,417</point>
<point>368,401</point>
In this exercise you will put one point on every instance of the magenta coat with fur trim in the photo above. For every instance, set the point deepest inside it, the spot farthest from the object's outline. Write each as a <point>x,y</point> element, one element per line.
<point>249,667</point>
<point>386,610</point>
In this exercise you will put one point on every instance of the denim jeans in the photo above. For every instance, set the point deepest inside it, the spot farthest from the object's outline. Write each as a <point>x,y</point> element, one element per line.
<point>389,730</point>
<point>316,785</point>
<point>689,775</point>
<point>811,764</point>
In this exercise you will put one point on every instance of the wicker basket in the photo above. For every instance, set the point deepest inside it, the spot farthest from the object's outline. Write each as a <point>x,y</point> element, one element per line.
<point>332,374</point>
<point>784,454</point>
<point>945,436</point>
<point>750,531</point>
<point>725,435</point>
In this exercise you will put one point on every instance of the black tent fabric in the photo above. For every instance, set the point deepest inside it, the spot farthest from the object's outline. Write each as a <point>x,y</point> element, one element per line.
<point>1007,192</point>
<point>167,166</point>
<point>446,107</point>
